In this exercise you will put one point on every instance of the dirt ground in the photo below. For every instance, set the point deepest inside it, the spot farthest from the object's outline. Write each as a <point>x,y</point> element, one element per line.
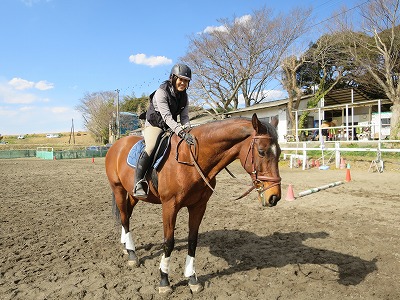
<point>59,240</point>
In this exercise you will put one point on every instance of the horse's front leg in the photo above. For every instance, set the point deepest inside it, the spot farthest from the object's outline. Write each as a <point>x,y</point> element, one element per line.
<point>196,214</point>
<point>169,212</point>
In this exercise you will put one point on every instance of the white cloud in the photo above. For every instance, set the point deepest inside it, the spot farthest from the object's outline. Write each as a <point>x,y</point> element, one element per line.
<point>211,29</point>
<point>152,61</point>
<point>224,28</point>
<point>23,111</point>
<point>30,119</point>
<point>44,85</point>
<point>15,91</point>
<point>11,95</point>
<point>21,84</point>
<point>243,19</point>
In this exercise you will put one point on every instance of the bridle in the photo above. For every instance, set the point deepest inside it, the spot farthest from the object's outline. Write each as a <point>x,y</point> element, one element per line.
<point>258,178</point>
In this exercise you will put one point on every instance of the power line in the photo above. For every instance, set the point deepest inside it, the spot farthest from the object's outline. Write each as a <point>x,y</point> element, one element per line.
<point>338,14</point>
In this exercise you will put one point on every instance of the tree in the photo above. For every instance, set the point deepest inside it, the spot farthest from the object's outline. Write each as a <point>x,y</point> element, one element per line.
<point>291,83</point>
<point>240,57</point>
<point>376,51</point>
<point>98,112</point>
<point>326,66</point>
<point>133,104</point>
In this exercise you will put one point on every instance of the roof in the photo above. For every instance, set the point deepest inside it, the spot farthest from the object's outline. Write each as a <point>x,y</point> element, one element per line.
<point>345,96</point>
<point>269,104</point>
<point>259,106</point>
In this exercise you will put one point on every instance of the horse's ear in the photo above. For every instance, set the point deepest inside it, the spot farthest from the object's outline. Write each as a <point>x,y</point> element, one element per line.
<point>274,121</point>
<point>256,122</point>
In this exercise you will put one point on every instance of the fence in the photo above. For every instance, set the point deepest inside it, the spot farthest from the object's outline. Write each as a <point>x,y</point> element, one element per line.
<point>49,153</point>
<point>17,153</point>
<point>295,151</point>
<point>44,152</point>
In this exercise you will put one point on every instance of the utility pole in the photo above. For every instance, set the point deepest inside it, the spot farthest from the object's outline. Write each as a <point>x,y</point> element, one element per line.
<point>117,121</point>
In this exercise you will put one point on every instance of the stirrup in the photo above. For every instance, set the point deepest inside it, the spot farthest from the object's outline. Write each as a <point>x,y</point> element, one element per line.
<point>139,187</point>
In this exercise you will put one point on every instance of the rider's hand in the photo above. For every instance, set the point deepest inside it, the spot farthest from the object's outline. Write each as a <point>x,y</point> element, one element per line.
<point>187,137</point>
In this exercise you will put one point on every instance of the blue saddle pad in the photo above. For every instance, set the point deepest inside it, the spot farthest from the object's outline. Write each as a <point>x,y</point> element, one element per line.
<point>134,153</point>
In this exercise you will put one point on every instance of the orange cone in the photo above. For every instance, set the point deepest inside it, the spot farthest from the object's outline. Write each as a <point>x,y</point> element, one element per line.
<point>290,194</point>
<point>348,176</point>
<point>92,159</point>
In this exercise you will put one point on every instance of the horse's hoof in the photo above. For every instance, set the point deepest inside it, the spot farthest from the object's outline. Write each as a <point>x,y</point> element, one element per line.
<point>164,290</point>
<point>196,288</point>
<point>133,263</point>
<point>133,260</point>
<point>124,251</point>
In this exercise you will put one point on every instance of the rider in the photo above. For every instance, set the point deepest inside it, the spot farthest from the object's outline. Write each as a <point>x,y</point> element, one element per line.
<point>168,102</point>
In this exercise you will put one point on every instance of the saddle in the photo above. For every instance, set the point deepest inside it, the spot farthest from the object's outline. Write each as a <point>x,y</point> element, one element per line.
<point>162,146</point>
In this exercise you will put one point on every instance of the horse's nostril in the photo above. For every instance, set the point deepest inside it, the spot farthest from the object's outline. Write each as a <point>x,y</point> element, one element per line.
<point>274,200</point>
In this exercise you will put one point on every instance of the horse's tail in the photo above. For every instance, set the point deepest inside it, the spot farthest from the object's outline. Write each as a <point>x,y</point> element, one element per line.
<point>115,209</point>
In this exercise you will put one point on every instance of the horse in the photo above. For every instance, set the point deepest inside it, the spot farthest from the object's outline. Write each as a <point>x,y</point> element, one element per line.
<point>187,179</point>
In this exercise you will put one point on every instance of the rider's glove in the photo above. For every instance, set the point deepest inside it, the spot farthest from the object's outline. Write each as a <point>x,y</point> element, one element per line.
<point>187,137</point>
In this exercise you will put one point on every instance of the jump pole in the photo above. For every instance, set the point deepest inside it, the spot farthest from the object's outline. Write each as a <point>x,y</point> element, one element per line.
<point>317,189</point>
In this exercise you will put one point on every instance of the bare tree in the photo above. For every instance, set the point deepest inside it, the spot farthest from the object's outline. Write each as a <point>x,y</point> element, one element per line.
<point>325,67</point>
<point>240,57</point>
<point>290,82</point>
<point>97,110</point>
<point>376,50</point>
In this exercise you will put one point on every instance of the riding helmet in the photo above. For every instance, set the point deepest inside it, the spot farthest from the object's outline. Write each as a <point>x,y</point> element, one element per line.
<point>182,71</point>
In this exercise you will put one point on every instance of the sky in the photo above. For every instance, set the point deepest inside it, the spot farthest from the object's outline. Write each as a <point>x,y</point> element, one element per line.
<point>54,52</point>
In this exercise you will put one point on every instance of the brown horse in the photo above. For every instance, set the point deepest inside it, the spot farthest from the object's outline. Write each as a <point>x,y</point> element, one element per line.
<point>184,185</point>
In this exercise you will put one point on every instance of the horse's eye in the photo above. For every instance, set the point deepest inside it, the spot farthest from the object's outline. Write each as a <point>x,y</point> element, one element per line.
<point>261,152</point>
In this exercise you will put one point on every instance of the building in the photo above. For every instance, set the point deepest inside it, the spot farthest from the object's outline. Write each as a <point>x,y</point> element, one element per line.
<point>345,114</point>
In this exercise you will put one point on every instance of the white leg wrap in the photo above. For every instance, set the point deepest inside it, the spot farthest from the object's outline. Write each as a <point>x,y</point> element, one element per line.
<point>189,266</point>
<point>122,235</point>
<point>164,264</point>
<point>129,244</point>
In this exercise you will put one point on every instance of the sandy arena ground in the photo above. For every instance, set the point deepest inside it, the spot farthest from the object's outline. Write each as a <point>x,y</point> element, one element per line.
<point>59,240</point>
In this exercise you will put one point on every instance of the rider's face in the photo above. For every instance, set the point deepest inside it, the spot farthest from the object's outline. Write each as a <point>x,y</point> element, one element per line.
<point>181,84</point>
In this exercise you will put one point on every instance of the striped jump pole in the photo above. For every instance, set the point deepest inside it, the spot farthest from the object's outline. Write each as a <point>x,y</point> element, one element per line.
<point>317,189</point>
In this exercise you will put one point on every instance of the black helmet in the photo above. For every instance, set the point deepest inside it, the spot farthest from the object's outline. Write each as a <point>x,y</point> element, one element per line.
<point>182,71</point>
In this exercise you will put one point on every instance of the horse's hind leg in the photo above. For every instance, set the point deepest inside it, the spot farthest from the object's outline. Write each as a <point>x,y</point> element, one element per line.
<point>125,205</point>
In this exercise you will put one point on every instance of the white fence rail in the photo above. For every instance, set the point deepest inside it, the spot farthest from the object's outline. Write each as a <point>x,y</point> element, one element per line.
<point>300,152</point>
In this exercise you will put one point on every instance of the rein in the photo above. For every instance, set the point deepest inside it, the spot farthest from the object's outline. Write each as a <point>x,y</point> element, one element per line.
<point>199,170</point>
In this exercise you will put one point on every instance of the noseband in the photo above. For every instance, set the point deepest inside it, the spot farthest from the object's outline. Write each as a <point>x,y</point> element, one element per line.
<point>258,178</point>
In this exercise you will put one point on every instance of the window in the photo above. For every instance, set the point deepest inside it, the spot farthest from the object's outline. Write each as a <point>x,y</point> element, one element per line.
<point>385,121</point>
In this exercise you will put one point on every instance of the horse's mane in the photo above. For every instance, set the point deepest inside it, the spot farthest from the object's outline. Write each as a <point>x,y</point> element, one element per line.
<point>266,128</point>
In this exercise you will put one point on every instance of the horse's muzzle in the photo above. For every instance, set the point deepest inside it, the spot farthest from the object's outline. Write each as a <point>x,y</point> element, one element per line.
<point>269,194</point>
<point>273,200</point>
<point>269,200</point>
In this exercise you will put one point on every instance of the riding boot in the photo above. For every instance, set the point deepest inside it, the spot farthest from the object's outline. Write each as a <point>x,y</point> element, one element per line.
<point>141,169</point>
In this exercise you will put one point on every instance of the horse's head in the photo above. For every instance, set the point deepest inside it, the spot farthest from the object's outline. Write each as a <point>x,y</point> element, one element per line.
<point>261,161</point>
